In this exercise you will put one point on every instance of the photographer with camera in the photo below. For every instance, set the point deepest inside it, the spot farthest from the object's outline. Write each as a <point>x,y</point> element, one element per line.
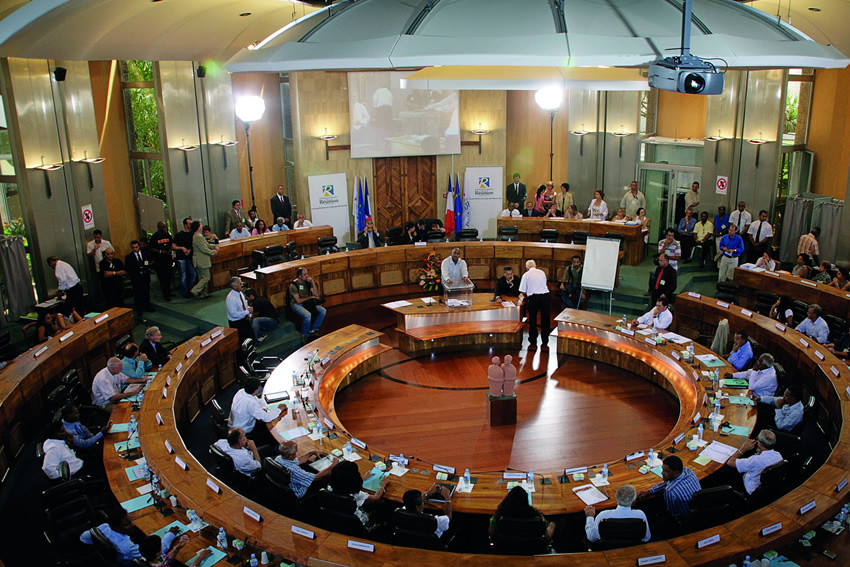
<point>306,303</point>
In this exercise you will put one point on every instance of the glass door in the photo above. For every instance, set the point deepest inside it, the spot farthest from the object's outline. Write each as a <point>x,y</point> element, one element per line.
<point>663,185</point>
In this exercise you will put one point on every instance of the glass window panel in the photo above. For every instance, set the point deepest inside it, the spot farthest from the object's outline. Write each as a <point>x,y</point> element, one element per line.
<point>143,126</point>
<point>136,71</point>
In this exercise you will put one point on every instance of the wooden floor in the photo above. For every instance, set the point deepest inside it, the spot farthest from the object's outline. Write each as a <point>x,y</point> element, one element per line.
<point>571,414</point>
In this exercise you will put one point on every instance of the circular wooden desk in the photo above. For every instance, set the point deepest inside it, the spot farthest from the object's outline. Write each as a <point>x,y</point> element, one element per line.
<point>580,334</point>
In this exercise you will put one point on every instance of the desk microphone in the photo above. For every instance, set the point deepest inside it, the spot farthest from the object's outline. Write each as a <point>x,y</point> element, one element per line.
<point>351,437</point>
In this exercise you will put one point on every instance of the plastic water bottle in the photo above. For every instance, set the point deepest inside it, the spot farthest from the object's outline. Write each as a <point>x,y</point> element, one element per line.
<point>651,455</point>
<point>141,397</point>
<point>691,351</point>
<point>467,479</point>
<point>699,431</point>
<point>623,321</point>
<point>131,427</point>
<point>605,471</point>
<point>716,408</point>
<point>746,562</point>
<point>347,449</point>
<point>530,477</point>
<point>221,539</point>
<point>294,378</point>
<point>254,561</point>
<point>147,472</point>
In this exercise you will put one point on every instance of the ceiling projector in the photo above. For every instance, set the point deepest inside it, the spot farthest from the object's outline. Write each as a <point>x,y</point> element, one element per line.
<point>686,74</point>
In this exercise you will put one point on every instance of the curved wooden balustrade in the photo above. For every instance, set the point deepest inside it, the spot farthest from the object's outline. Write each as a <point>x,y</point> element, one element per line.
<point>832,299</point>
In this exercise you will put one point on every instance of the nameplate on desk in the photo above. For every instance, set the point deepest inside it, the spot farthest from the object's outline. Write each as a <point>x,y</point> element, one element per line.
<point>771,529</point>
<point>696,376</point>
<point>101,318</point>
<point>678,438</point>
<point>302,532</point>
<point>251,514</point>
<point>445,469</point>
<point>420,243</point>
<point>819,354</point>
<point>650,341</point>
<point>807,282</point>
<point>66,336</point>
<point>676,355</point>
<point>168,446</point>
<point>628,332</point>
<point>399,459</point>
<point>165,392</point>
<point>724,305</point>
<point>697,417</point>
<point>805,343</point>
<point>329,423</point>
<point>810,506</point>
<point>781,327</point>
<point>848,391</point>
<point>181,463</point>
<point>361,546</point>
<point>215,488</point>
<point>652,560</point>
<point>708,541</point>
<point>694,295</point>
<point>326,360</point>
<point>358,443</point>
<point>190,353</point>
<point>168,380</point>
<point>216,334</point>
<point>774,274</point>
<point>205,342</point>
<point>40,351</point>
<point>575,470</point>
<point>835,371</point>
<point>514,475</point>
<point>159,418</point>
<point>635,455</point>
<point>179,368</point>
<point>841,485</point>
<point>746,312</point>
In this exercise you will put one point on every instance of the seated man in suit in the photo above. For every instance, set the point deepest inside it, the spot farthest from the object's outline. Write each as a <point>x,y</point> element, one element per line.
<point>151,347</point>
<point>751,467</point>
<point>370,237</point>
<point>301,480</point>
<point>507,285</point>
<point>414,501</point>
<point>626,495</point>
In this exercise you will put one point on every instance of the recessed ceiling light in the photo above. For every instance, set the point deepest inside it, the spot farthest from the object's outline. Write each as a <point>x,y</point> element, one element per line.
<point>243,14</point>
<point>814,9</point>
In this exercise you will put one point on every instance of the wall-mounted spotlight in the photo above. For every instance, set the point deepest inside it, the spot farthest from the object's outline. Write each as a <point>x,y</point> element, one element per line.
<point>327,138</point>
<point>480,131</point>
<point>186,148</point>
<point>758,143</point>
<point>202,71</point>
<point>89,161</point>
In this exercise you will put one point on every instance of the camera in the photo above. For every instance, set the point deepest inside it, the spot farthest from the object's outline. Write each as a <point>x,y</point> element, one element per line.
<point>686,74</point>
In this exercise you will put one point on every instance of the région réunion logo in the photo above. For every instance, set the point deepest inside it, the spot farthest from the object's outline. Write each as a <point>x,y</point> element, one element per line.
<point>483,182</point>
<point>327,190</point>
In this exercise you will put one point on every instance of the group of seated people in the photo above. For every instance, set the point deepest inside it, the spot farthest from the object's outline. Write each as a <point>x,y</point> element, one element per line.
<point>55,321</point>
<point>254,226</point>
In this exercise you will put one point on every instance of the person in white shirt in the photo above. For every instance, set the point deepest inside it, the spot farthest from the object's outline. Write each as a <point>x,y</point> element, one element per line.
<point>414,501</point>
<point>107,384</point>
<point>69,283</point>
<point>301,222</point>
<point>239,313</point>
<point>57,450</point>
<point>759,235</point>
<point>247,409</point>
<point>814,326</point>
<point>454,269</point>
<point>751,467</point>
<point>534,286</point>
<point>766,262</point>
<point>761,378</point>
<point>659,317</point>
<point>511,211</point>
<point>626,495</point>
<point>741,218</point>
<point>240,231</point>
<point>95,248</point>
<point>279,225</point>
<point>243,451</point>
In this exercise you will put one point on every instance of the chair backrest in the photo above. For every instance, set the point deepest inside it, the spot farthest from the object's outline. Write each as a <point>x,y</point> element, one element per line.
<point>66,521</point>
<point>508,233</point>
<point>258,258</point>
<point>274,254</point>
<point>713,506</point>
<point>223,461</point>
<point>837,326</point>
<point>579,237</point>
<point>549,235</point>
<point>71,375</point>
<point>349,246</point>
<point>276,473</point>
<point>774,476</point>
<point>622,531</point>
<point>121,343</point>
<point>727,297</point>
<point>617,236</point>
<point>434,236</point>
<point>59,494</point>
<point>219,419</point>
<point>520,536</point>
<point>728,287</point>
<point>57,397</point>
<point>394,234</point>
<point>788,444</point>
<point>105,548</point>
<point>800,309</point>
<point>467,234</point>
<point>325,241</point>
<point>291,250</point>
<point>336,511</point>
<point>415,529</point>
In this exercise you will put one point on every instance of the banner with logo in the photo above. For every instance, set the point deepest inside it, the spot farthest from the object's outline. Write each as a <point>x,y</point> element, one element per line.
<point>482,198</point>
<point>329,203</point>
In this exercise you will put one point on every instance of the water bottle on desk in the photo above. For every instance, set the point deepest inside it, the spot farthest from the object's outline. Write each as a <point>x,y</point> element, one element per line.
<point>221,539</point>
<point>131,427</point>
<point>254,561</point>
<point>530,479</point>
<point>746,562</point>
<point>605,471</point>
<point>691,352</point>
<point>346,450</point>
<point>467,479</point>
<point>147,472</point>
<point>699,432</point>
<point>651,456</point>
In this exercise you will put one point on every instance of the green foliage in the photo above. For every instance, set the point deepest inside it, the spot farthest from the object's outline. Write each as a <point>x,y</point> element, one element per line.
<point>137,71</point>
<point>144,123</point>
<point>792,102</point>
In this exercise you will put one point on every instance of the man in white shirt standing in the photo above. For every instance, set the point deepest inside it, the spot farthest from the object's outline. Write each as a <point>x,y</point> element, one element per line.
<point>247,409</point>
<point>107,384</point>
<point>759,235</point>
<point>741,218</point>
<point>511,211</point>
<point>96,248</point>
<point>454,269</point>
<point>69,283</point>
<point>533,285</point>
<point>238,311</point>
<point>751,467</point>
<point>626,495</point>
<point>659,317</point>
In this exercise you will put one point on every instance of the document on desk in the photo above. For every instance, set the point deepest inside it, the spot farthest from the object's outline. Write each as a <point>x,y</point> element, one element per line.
<point>741,401</point>
<point>397,304</point>
<point>295,433</point>
<point>428,300</point>
<point>718,452</point>
<point>589,494</point>
<point>508,304</point>
<point>645,330</point>
<point>678,339</point>
<point>710,360</point>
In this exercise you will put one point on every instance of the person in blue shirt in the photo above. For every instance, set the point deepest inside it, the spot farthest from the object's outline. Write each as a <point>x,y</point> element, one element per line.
<point>814,326</point>
<point>685,233</point>
<point>731,246</point>
<point>678,486</point>
<point>83,438</point>
<point>134,364</point>
<point>721,226</point>
<point>789,408</point>
<point>742,351</point>
<point>126,550</point>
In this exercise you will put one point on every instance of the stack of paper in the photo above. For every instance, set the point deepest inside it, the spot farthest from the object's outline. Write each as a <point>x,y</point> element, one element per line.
<point>397,304</point>
<point>589,494</point>
<point>718,452</point>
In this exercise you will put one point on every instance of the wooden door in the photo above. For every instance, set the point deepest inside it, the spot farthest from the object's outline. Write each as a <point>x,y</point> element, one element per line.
<point>405,190</point>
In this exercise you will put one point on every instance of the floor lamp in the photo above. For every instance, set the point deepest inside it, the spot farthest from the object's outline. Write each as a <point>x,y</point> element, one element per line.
<point>250,109</point>
<point>549,99</point>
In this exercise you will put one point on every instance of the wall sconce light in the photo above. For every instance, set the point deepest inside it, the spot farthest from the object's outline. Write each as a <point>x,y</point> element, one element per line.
<point>89,161</point>
<point>581,134</point>
<point>327,138</point>
<point>620,135</point>
<point>758,143</point>
<point>715,139</point>
<point>480,132</point>
<point>47,168</point>
<point>224,144</point>
<point>186,148</point>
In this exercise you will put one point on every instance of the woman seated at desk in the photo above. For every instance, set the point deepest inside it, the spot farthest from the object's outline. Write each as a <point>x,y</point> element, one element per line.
<point>551,212</point>
<point>802,267</point>
<point>781,311</point>
<point>346,480</point>
<point>620,216</point>
<point>45,326</point>
<point>515,506</point>
<point>572,213</point>
<point>766,262</point>
<point>841,279</point>
<point>260,228</point>
<point>644,222</point>
<point>823,274</point>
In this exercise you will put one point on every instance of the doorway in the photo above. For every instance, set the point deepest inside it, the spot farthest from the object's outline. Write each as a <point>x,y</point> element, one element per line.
<point>405,190</point>
<point>662,185</point>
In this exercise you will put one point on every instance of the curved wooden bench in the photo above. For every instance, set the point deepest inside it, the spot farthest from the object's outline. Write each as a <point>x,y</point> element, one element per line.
<point>833,300</point>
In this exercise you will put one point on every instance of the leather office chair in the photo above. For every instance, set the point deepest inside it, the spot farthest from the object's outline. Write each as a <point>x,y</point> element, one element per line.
<point>435,236</point>
<point>508,233</point>
<point>579,237</point>
<point>349,246</point>
<point>520,536</point>
<point>219,420</point>
<point>837,326</point>
<point>292,251</point>
<point>327,245</point>
<point>225,469</point>
<point>713,506</point>
<point>620,532</point>
<point>394,235</point>
<point>258,259</point>
<point>774,481</point>
<point>764,301</point>
<point>617,236</point>
<point>415,529</point>
<point>255,362</point>
<point>800,309</point>
<point>63,525</point>
<point>120,343</point>
<point>549,235</point>
<point>467,235</point>
<point>274,254</point>
<point>728,292</point>
<point>57,398</point>
<point>335,512</point>
<point>278,476</point>
<point>104,548</point>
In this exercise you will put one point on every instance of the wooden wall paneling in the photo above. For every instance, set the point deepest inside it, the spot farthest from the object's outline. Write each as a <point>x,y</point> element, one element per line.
<point>335,276</point>
<point>362,268</point>
<point>393,267</point>
<point>420,184</point>
<point>226,373</point>
<point>388,199</point>
<point>541,256</point>
<point>480,260</point>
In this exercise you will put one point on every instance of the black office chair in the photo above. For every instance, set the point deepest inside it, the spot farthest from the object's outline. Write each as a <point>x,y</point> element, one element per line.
<point>728,292</point>
<point>349,246</point>
<point>435,236</point>
<point>327,245</point>
<point>520,536</point>
<point>104,548</point>
<point>764,301</point>
<point>619,532</point>
<point>219,420</point>
<point>774,482</point>
<point>258,259</point>
<point>713,506</point>
<point>253,361</point>
<point>394,235</point>
<point>415,529</point>
<point>508,233</point>
<point>549,235</point>
<point>278,476</point>
<point>274,254</point>
<point>617,236</point>
<point>579,237</point>
<point>800,309</point>
<point>57,398</point>
<point>63,525</point>
<point>335,512</point>
<point>225,469</point>
<point>292,251</point>
<point>467,235</point>
<point>837,326</point>
<point>788,445</point>
<point>780,377</point>
<point>122,341</point>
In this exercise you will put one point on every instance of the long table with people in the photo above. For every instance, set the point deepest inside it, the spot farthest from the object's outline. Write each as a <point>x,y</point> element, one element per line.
<point>203,366</point>
<point>529,230</point>
<point>832,299</point>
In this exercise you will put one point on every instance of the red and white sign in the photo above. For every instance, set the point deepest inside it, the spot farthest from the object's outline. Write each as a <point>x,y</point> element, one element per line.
<point>88,216</point>
<point>722,185</point>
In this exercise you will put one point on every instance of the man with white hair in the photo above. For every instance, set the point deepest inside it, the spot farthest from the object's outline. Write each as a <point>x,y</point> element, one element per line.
<point>751,467</point>
<point>533,285</point>
<point>761,378</point>
<point>626,495</point>
<point>107,384</point>
<point>814,326</point>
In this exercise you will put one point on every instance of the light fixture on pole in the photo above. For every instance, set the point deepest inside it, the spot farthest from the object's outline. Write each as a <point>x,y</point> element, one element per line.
<point>480,131</point>
<point>327,138</point>
<point>549,98</point>
<point>250,109</point>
